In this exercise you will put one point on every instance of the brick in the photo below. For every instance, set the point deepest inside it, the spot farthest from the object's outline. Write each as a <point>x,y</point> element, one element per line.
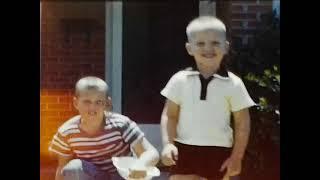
<point>243,31</point>
<point>236,8</point>
<point>99,51</point>
<point>49,99</point>
<point>57,66</point>
<point>43,92</point>
<point>47,85</point>
<point>68,61</point>
<point>54,79</point>
<point>260,8</point>
<point>243,16</point>
<point>52,27</point>
<point>51,124</point>
<point>57,106</point>
<point>46,138</point>
<point>78,51</point>
<point>84,53</point>
<point>251,2</point>
<point>68,114</point>
<point>59,81</point>
<point>50,113</point>
<point>252,24</point>
<point>43,106</point>
<point>100,71</point>
<point>66,99</point>
<point>236,23</point>
<point>58,51</point>
<point>50,76</point>
<point>56,36</point>
<point>49,133</point>
<point>84,66</point>
<point>59,92</point>
<point>59,85</point>
<point>100,61</point>
<point>97,46</point>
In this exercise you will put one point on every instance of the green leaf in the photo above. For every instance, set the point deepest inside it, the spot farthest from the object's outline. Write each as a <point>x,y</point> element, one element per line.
<point>267,72</point>
<point>275,68</point>
<point>278,77</point>
<point>262,84</point>
<point>250,77</point>
<point>263,101</point>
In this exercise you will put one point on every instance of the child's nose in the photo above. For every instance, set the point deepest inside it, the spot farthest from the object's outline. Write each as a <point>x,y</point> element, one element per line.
<point>209,48</point>
<point>92,106</point>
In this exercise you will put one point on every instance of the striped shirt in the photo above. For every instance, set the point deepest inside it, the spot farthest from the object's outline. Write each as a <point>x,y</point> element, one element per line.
<point>119,134</point>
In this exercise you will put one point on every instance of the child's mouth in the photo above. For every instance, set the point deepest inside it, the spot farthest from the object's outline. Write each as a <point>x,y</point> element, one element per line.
<point>92,113</point>
<point>209,55</point>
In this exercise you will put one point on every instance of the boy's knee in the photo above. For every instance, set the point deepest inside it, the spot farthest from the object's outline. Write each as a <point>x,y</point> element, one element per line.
<point>72,167</point>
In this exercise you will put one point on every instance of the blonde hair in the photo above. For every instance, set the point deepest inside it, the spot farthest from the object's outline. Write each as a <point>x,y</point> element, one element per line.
<point>89,83</point>
<point>205,23</point>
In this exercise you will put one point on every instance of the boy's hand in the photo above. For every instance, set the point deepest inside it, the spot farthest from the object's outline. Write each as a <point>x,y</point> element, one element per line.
<point>169,155</point>
<point>233,166</point>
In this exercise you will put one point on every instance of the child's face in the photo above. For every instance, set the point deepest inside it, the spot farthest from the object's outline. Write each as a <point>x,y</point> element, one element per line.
<point>91,104</point>
<point>208,47</point>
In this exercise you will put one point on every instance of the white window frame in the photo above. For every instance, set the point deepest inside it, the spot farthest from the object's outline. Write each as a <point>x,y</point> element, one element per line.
<point>113,51</point>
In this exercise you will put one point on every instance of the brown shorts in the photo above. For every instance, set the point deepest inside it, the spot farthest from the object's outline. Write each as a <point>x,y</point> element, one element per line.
<point>204,161</point>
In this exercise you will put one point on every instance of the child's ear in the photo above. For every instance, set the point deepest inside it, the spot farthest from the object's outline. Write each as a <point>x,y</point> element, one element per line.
<point>227,48</point>
<point>109,103</point>
<point>75,102</point>
<point>188,47</point>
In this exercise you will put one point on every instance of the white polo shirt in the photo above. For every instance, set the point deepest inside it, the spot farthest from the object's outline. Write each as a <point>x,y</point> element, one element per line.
<point>206,122</point>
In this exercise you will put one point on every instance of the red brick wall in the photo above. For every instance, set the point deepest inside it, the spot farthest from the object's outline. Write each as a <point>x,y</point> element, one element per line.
<point>246,12</point>
<point>64,59</point>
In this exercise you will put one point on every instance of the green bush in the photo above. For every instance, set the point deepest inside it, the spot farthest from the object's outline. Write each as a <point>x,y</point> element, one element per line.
<point>258,64</point>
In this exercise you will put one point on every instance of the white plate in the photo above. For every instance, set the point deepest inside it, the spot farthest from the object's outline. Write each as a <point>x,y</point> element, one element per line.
<point>124,163</point>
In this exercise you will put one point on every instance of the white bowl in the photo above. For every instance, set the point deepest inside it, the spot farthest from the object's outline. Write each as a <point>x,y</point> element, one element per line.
<point>124,163</point>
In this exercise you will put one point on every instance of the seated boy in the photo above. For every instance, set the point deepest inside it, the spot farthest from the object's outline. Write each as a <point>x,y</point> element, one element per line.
<point>85,144</point>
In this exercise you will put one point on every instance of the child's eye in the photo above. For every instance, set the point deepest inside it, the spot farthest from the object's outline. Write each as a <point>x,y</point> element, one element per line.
<point>86,102</point>
<point>215,43</point>
<point>200,44</point>
<point>100,102</point>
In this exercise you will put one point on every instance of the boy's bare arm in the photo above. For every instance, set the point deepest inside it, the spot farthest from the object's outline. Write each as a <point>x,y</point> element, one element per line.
<point>146,152</point>
<point>62,161</point>
<point>148,156</point>
<point>169,121</point>
<point>242,132</point>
